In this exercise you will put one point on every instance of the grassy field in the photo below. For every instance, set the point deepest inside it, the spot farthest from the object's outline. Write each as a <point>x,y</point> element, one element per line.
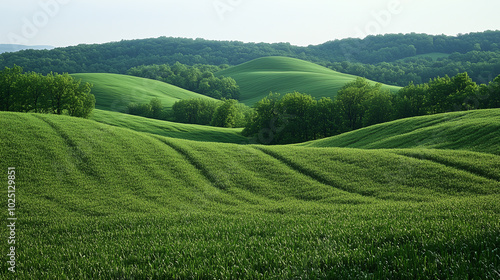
<point>261,76</point>
<point>171,129</point>
<point>114,92</point>
<point>96,201</point>
<point>472,130</point>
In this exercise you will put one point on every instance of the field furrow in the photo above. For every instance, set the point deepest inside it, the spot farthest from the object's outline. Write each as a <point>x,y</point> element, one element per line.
<point>307,172</point>
<point>479,164</point>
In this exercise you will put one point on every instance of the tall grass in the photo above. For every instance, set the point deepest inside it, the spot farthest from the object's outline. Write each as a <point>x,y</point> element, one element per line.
<point>103,202</point>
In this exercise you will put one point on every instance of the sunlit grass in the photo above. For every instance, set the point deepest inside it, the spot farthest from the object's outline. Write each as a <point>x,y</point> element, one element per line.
<point>261,76</point>
<point>114,92</point>
<point>472,130</point>
<point>102,202</point>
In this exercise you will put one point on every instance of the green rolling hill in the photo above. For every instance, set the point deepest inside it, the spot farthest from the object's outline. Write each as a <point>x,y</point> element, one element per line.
<point>170,129</point>
<point>259,77</point>
<point>114,92</point>
<point>477,130</point>
<point>96,201</point>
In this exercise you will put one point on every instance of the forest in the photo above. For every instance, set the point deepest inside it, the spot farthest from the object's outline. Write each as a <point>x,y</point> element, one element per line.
<point>51,94</point>
<point>391,59</point>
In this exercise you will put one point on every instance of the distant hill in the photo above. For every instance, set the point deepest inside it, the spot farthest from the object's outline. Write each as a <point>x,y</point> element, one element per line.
<point>14,48</point>
<point>261,76</point>
<point>114,92</point>
<point>477,131</point>
<point>118,57</point>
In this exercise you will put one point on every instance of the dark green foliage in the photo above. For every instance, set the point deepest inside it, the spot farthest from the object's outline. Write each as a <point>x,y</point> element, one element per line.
<point>298,117</point>
<point>353,100</point>
<point>479,65</point>
<point>152,110</point>
<point>225,113</point>
<point>475,53</point>
<point>294,118</point>
<point>198,78</point>
<point>194,111</point>
<point>445,94</point>
<point>143,110</point>
<point>53,93</point>
<point>489,95</point>
<point>410,100</point>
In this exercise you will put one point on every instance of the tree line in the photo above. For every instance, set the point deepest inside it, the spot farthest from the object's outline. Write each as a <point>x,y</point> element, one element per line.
<point>219,113</point>
<point>478,64</point>
<point>198,78</point>
<point>384,51</point>
<point>298,117</point>
<point>52,94</point>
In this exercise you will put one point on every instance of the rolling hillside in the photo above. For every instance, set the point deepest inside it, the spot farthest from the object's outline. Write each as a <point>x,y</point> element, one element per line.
<point>170,129</point>
<point>472,130</point>
<point>101,202</point>
<point>259,77</point>
<point>114,92</point>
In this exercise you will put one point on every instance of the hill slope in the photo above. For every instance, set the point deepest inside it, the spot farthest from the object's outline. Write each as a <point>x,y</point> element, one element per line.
<point>114,92</point>
<point>171,129</point>
<point>472,130</point>
<point>261,76</point>
<point>102,202</point>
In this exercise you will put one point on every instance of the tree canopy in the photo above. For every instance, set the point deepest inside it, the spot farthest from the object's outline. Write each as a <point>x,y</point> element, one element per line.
<point>298,117</point>
<point>388,59</point>
<point>53,93</point>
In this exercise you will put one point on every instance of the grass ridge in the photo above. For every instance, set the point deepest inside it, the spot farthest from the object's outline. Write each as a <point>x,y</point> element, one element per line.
<point>194,162</point>
<point>469,169</point>
<point>77,156</point>
<point>307,172</point>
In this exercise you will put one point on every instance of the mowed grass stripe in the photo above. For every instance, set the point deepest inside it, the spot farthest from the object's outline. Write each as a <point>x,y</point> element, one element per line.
<point>478,164</point>
<point>310,173</point>
<point>236,167</point>
<point>136,173</point>
<point>194,162</point>
<point>79,158</point>
<point>385,175</point>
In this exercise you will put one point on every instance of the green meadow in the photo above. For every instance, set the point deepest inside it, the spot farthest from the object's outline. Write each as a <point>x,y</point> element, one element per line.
<point>114,92</point>
<point>477,130</point>
<point>118,196</point>
<point>170,129</point>
<point>259,77</point>
<point>97,199</point>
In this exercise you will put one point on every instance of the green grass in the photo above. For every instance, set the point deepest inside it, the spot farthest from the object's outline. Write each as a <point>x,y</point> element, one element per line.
<point>170,129</point>
<point>114,92</point>
<point>472,130</point>
<point>261,76</point>
<point>96,201</point>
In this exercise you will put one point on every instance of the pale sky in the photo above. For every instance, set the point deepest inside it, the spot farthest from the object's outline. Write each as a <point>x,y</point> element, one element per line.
<point>71,22</point>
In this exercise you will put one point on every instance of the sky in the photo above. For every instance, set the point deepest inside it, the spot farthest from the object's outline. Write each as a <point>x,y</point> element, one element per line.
<point>62,23</point>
